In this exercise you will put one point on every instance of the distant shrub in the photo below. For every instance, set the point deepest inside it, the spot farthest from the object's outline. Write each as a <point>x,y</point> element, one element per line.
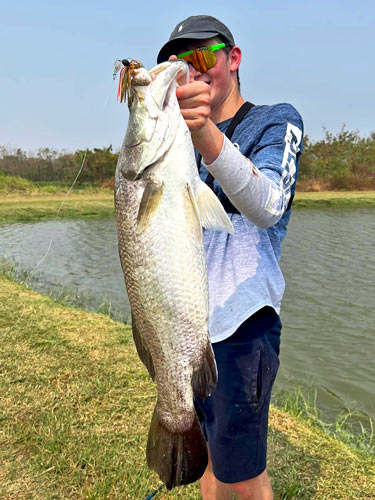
<point>341,161</point>
<point>9,184</point>
<point>338,161</point>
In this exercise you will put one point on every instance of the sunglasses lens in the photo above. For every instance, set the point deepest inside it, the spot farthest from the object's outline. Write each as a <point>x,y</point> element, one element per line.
<point>202,59</point>
<point>209,57</point>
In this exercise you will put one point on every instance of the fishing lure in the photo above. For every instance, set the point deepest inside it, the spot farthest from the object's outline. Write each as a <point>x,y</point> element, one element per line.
<point>126,68</point>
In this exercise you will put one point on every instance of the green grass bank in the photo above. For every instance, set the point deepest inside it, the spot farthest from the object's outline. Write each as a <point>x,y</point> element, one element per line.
<point>38,206</point>
<point>76,404</point>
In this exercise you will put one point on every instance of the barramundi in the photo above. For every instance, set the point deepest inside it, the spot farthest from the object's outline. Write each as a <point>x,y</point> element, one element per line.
<point>161,206</point>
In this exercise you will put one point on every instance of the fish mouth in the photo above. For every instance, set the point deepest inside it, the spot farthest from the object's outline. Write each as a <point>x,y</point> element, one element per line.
<point>168,96</point>
<point>164,78</point>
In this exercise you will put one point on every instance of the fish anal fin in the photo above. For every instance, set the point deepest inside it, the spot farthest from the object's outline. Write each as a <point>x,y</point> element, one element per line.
<point>143,352</point>
<point>178,458</point>
<point>150,202</point>
<point>211,212</point>
<point>204,379</point>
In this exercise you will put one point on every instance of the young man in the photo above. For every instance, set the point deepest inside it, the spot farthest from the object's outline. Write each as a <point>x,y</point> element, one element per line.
<point>254,176</point>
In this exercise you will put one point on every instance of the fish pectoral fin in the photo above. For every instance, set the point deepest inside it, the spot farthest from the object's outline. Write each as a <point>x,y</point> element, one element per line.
<point>211,212</point>
<point>197,221</point>
<point>143,352</point>
<point>178,457</point>
<point>149,204</point>
<point>204,379</point>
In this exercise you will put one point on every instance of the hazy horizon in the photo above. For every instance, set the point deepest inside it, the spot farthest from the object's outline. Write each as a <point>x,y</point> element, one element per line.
<point>57,61</point>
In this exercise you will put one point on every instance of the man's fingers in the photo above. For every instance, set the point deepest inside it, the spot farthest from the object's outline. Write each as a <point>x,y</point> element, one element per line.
<point>195,113</point>
<point>192,89</point>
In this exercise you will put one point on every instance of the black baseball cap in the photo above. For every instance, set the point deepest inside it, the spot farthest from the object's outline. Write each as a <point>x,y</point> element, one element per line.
<point>195,28</point>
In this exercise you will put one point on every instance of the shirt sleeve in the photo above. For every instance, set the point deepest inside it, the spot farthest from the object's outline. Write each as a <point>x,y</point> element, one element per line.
<point>261,191</point>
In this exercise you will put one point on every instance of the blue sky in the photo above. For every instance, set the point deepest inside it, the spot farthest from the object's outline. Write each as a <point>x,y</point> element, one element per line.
<point>56,61</point>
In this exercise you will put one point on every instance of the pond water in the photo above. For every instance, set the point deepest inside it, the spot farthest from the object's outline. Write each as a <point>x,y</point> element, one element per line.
<point>328,338</point>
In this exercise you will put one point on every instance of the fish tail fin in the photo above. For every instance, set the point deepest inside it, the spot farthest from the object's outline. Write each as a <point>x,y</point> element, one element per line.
<point>178,458</point>
<point>204,379</point>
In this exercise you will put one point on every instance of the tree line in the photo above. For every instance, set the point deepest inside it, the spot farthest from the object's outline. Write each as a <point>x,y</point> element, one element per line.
<point>338,161</point>
<point>48,165</point>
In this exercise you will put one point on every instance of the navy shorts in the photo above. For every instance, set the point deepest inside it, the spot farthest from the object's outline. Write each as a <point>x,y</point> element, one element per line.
<point>234,418</point>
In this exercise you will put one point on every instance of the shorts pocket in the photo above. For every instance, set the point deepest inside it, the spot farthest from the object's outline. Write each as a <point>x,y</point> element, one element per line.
<point>253,387</point>
<point>259,374</point>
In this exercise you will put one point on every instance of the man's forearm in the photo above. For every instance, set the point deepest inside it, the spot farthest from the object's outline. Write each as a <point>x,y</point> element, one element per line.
<point>208,141</point>
<point>254,194</point>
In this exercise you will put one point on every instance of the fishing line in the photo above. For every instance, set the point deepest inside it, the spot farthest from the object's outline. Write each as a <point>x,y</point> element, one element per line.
<point>53,234</point>
<point>58,212</point>
<point>116,68</point>
<point>154,493</point>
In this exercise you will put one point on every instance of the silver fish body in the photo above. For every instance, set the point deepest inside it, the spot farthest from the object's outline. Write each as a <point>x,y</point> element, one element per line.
<point>161,205</point>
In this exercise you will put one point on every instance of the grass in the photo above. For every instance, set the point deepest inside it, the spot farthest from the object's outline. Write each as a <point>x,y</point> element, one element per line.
<point>39,207</point>
<point>64,295</point>
<point>34,204</point>
<point>339,199</point>
<point>353,428</point>
<point>76,404</point>
<point>36,208</point>
<point>11,185</point>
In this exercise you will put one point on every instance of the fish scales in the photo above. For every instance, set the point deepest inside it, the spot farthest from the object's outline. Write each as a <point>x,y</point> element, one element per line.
<point>159,211</point>
<point>172,302</point>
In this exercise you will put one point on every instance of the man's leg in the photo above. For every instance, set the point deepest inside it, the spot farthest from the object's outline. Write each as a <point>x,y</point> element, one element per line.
<point>257,488</point>
<point>235,416</point>
<point>212,488</point>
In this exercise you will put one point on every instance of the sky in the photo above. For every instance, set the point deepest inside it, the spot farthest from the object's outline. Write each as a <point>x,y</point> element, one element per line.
<point>56,63</point>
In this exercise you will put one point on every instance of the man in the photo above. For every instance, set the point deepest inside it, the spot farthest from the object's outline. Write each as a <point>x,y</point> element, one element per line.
<point>255,174</point>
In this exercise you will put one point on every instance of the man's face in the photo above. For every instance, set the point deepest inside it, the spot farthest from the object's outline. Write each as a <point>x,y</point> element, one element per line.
<point>218,78</point>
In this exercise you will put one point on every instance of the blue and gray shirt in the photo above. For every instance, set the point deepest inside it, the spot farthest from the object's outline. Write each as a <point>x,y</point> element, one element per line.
<point>243,269</point>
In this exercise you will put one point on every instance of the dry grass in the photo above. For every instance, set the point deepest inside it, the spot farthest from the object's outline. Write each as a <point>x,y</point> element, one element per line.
<point>338,199</point>
<point>76,404</point>
<point>36,207</point>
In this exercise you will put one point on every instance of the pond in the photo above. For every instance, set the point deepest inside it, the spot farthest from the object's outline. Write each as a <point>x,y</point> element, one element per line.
<point>328,338</point>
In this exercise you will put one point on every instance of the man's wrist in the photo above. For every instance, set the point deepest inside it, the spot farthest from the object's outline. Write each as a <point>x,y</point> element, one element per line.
<point>208,141</point>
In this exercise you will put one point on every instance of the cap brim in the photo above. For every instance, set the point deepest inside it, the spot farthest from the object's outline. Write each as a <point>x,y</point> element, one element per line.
<point>167,51</point>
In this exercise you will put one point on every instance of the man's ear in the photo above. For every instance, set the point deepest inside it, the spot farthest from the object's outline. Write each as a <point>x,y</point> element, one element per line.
<point>235,57</point>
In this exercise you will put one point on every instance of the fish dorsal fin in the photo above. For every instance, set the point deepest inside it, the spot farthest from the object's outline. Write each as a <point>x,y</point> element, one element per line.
<point>149,204</point>
<point>211,212</point>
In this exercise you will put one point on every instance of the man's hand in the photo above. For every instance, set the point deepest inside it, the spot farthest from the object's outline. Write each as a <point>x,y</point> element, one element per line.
<point>194,99</point>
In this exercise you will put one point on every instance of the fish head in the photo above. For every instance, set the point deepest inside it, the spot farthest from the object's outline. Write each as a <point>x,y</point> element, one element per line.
<point>154,118</point>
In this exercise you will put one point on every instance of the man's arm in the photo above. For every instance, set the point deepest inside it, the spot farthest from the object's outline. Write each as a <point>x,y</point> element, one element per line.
<point>194,101</point>
<point>262,199</point>
<point>261,194</point>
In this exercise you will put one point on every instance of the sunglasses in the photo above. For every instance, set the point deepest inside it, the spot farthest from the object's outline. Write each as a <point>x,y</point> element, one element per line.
<point>203,58</point>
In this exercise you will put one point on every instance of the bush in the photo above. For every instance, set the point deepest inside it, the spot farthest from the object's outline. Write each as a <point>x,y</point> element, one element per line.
<point>341,161</point>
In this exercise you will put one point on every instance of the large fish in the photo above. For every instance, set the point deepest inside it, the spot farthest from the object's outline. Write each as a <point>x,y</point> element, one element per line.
<point>161,206</point>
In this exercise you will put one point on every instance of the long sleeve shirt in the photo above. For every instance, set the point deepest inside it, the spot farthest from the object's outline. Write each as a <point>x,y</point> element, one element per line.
<point>243,269</point>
